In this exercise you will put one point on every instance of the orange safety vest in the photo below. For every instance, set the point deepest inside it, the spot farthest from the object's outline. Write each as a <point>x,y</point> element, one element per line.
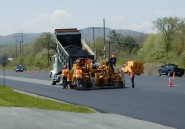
<point>78,73</point>
<point>64,72</point>
<point>132,73</point>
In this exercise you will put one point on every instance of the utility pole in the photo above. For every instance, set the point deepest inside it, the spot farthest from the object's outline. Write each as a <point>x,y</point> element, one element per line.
<point>109,43</point>
<point>94,39</point>
<point>48,51</point>
<point>16,46</point>
<point>104,29</point>
<point>104,38</point>
<point>20,46</point>
<point>20,40</point>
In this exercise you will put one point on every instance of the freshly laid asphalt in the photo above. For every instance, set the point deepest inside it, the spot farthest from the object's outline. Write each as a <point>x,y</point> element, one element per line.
<point>31,118</point>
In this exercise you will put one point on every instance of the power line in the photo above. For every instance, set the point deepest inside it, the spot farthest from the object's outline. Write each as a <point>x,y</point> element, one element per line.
<point>19,39</point>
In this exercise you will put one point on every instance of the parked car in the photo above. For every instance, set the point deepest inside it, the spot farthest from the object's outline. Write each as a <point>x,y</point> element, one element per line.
<point>169,69</point>
<point>20,68</point>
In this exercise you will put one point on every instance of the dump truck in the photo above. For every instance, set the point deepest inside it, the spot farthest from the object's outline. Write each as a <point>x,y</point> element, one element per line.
<point>137,66</point>
<point>73,52</point>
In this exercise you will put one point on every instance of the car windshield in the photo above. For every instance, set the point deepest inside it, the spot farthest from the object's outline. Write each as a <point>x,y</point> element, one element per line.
<point>21,66</point>
<point>17,67</point>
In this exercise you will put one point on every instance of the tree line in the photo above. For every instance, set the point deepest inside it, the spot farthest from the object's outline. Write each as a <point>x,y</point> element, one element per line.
<point>168,45</point>
<point>165,46</point>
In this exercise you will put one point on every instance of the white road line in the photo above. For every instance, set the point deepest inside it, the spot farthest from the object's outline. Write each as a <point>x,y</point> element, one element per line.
<point>30,80</point>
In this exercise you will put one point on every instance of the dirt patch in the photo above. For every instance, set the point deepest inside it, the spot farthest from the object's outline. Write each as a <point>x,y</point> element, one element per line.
<point>151,69</point>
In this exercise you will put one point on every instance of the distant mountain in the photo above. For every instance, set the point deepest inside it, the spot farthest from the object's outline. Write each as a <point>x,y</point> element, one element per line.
<point>131,33</point>
<point>87,34</point>
<point>18,37</point>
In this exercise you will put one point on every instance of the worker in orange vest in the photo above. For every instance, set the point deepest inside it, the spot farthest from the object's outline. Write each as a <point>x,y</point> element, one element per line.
<point>132,75</point>
<point>79,77</point>
<point>64,77</point>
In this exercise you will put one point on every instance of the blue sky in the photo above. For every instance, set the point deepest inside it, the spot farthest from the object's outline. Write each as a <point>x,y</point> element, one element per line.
<point>36,16</point>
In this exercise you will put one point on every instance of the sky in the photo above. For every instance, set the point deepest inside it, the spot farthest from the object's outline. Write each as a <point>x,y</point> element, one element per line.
<point>37,16</point>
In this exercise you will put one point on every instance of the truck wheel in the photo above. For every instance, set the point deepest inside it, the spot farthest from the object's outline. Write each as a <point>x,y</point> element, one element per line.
<point>53,82</point>
<point>122,85</point>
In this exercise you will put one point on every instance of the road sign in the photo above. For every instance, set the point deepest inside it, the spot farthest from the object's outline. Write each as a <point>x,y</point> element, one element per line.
<point>4,61</point>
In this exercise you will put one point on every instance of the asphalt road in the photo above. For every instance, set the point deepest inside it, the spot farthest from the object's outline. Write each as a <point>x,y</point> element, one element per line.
<point>151,100</point>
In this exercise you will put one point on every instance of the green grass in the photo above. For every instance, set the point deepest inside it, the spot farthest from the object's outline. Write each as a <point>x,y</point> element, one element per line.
<point>9,97</point>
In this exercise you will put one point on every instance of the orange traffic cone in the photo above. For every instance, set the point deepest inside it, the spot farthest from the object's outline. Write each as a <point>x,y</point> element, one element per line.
<point>169,83</point>
<point>173,75</point>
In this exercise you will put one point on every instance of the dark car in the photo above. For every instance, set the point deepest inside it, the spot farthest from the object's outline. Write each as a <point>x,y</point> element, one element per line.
<point>169,69</point>
<point>23,67</point>
<point>20,68</point>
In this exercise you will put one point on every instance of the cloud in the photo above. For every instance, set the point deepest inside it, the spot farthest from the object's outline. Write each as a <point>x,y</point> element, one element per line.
<point>58,14</point>
<point>55,17</point>
<point>46,21</point>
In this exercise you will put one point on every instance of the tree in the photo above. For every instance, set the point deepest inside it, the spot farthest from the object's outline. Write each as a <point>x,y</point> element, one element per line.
<point>48,41</point>
<point>153,49</point>
<point>168,26</point>
<point>45,41</point>
<point>128,43</point>
<point>125,42</point>
<point>181,33</point>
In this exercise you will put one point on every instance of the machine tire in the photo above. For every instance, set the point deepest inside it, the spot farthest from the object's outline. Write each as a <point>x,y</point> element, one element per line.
<point>53,82</point>
<point>123,85</point>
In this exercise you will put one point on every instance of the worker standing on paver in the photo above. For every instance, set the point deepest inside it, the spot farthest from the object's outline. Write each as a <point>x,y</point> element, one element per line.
<point>132,76</point>
<point>112,61</point>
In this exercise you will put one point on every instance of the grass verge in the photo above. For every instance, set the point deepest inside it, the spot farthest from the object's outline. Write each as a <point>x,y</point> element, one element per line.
<point>9,97</point>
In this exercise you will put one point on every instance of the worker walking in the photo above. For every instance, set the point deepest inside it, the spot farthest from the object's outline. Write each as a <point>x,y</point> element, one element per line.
<point>132,75</point>
<point>64,77</point>
<point>79,77</point>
